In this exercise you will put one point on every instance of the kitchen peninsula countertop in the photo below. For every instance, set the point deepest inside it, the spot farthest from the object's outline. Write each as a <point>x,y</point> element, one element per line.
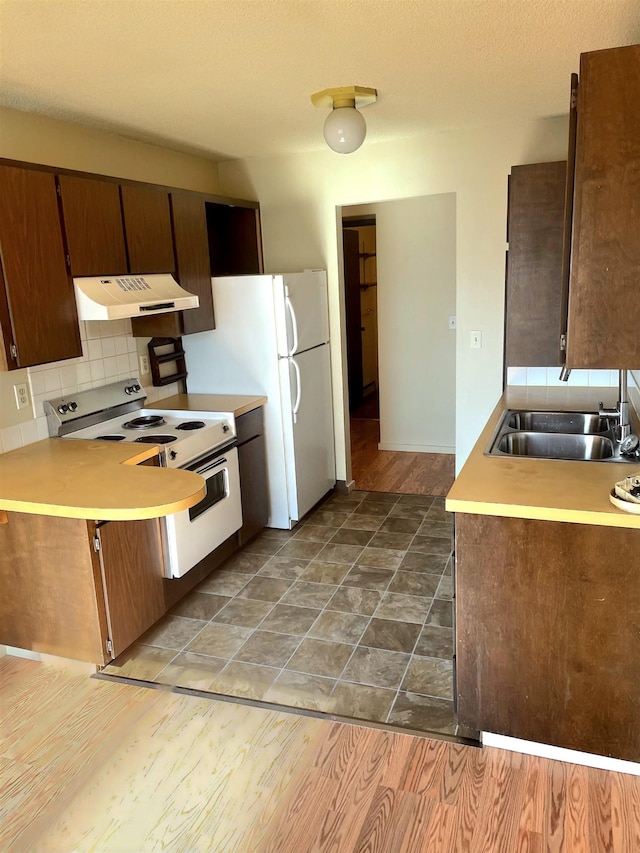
<point>544,489</point>
<point>94,480</point>
<point>234,403</point>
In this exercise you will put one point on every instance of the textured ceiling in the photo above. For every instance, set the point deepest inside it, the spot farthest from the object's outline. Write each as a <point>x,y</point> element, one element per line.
<point>233,78</point>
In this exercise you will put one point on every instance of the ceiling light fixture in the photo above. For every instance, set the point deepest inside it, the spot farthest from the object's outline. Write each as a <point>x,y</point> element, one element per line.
<point>344,128</point>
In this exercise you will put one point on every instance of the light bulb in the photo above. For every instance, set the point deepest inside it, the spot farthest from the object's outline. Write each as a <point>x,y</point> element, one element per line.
<point>345,129</point>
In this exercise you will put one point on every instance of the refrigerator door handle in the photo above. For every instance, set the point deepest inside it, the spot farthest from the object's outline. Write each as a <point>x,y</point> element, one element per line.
<point>294,322</point>
<point>296,405</point>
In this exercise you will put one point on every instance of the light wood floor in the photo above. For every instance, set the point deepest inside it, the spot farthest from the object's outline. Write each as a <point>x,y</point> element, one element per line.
<point>90,765</point>
<point>389,471</point>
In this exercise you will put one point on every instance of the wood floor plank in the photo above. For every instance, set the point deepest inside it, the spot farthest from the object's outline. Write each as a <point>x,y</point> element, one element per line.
<point>400,472</point>
<point>134,770</point>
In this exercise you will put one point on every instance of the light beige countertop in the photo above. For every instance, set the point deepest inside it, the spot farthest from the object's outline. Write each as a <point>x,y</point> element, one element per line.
<point>545,489</point>
<point>95,480</point>
<point>234,403</point>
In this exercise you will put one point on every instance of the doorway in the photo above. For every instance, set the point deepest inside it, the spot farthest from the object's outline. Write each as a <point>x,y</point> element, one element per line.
<point>399,298</point>
<point>361,307</point>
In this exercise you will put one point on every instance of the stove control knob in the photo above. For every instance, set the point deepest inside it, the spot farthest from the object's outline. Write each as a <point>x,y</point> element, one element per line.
<point>130,389</point>
<point>172,454</point>
<point>73,406</point>
<point>63,409</point>
<point>136,387</point>
<point>225,428</point>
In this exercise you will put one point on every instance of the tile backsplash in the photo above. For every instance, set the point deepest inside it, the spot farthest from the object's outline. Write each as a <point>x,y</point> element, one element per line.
<point>110,353</point>
<point>550,376</point>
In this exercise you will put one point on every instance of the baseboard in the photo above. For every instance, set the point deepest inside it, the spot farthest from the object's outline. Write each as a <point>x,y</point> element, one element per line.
<point>343,488</point>
<point>558,753</point>
<point>76,667</point>
<point>418,448</point>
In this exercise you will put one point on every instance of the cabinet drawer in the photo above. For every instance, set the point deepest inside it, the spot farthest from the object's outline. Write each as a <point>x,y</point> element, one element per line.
<point>249,425</point>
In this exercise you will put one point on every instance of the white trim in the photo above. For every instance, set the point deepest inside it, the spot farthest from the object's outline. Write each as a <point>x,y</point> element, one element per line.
<point>418,448</point>
<point>559,753</point>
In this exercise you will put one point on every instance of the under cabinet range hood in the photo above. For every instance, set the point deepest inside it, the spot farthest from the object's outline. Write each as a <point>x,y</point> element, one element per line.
<point>118,297</point>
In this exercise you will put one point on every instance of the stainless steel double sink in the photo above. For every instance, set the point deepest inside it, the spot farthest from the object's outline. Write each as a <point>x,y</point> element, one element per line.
<point>585,436</point>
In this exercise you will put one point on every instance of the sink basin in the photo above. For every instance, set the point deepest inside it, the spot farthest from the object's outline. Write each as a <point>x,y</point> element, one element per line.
<point>556,445</point>
<point>583,436</point>
<point>583,423</point>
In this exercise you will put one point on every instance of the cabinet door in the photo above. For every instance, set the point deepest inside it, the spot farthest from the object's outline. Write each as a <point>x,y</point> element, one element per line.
<point>534,271</point>
<point>39,316</point>
<point>193,268</point>
<point>132,567</point>
<point>147,225</point>
<point>604,297</point>
<point>546,632</point>
<point>93,225</point>
<point>253,474</point>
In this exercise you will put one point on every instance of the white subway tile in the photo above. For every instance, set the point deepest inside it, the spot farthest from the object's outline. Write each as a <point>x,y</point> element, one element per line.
<point>121,345</point>
<point>84,372</point>
<point>29,432</point>
<point>42,428</point>
<point>516,376</point>
<point>131,345</point>
<point>36,380</point>
<point>599,378</point>
<point>122,362</point>
<point>106,328</point>
<point>536,375</point>
<point>133,363</point>
<point>11,438</point>
<point>110,367</point>
<point>579,378</point>
<point>97,371</point>
<point>108,347</point>
<point>93,329</point>
<point>69,376</point>
<point>52,381</point>
<point>94,350</point>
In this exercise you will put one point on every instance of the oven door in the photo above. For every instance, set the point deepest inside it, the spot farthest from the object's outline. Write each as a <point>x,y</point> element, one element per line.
<point>195,532</point>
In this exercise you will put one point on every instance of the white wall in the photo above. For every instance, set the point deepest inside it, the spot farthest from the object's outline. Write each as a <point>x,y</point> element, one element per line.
<point>299,199</point>
<point>416,296</point>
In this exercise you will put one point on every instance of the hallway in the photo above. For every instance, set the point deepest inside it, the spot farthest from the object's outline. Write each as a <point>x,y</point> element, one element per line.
<point>404,473</point>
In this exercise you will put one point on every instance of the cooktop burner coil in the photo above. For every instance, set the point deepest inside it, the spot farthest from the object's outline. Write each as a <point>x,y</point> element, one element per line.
<point>189,425</point>
<point>145,422</point>
<point>110,438</point>
<point>157,439</point>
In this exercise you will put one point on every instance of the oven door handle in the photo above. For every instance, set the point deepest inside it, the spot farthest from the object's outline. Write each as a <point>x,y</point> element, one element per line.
<point>213,465</point>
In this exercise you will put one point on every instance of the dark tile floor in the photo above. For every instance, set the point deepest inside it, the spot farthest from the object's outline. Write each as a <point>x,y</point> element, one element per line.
<point>350,613</point>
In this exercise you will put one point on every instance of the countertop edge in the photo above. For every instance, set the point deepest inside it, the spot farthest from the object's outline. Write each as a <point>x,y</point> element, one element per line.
<point>525,488</point>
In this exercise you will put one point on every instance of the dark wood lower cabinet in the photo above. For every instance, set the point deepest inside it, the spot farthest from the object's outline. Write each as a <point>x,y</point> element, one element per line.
<point>253,474</point>
<point>131,561</point>
<point>548,628</point>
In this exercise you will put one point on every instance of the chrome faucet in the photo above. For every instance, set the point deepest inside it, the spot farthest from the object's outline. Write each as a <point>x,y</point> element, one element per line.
<point>621,412</point>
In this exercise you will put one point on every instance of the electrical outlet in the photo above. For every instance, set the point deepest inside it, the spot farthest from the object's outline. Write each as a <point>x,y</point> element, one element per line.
<point>476,340</point>
<point>144,364</point>
<point>21,392</point>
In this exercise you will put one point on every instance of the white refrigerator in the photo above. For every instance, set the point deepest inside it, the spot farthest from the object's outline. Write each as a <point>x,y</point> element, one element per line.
<point>272,339</point>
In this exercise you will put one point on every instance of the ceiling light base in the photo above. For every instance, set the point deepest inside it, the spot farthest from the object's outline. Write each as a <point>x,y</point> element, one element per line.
<point>343,96</point>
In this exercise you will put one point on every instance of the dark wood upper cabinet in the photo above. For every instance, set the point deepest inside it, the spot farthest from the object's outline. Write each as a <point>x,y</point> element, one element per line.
<point>193,268</point>
<point>534,269</point>
<point>147,227</point>
<point>37,304</point>
<point>604,294</point>
<point>93,224</point>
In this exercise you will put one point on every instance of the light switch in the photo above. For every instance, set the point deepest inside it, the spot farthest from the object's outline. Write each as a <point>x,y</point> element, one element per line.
<point>452,322</point>
<point>476,340</point>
